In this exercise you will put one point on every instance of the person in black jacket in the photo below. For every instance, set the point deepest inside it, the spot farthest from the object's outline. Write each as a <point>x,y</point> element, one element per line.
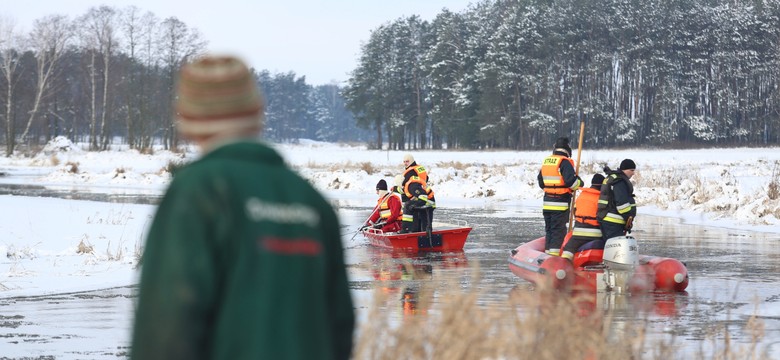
<point>559,180</point>
<point>617,207</point>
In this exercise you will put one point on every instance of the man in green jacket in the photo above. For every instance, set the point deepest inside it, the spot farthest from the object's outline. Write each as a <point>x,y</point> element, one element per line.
<point>244,257</point>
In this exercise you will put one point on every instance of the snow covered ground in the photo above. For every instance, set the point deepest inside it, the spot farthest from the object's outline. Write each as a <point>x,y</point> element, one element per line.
<point>57,245</point>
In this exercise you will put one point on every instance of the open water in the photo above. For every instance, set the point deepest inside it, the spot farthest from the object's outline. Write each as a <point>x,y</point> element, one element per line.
<point>733,276</point>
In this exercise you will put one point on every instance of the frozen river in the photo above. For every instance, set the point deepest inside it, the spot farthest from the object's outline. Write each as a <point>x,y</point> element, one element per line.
<point>733,276</point>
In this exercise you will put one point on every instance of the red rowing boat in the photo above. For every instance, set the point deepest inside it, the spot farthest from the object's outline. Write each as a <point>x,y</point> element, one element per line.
<point>627,272</point>
<point>443,237</point>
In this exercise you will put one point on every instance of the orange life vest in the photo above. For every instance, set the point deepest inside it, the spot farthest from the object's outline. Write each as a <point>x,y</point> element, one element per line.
<point>586,206</point>
<point>551,175</point>
<point>416,174</point>
<point>384,207</point>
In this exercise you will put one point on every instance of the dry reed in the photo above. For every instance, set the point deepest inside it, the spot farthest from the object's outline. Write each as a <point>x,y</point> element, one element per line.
<point>534,325</point>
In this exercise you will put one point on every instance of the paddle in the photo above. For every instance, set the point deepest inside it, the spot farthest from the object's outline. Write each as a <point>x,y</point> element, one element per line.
<point>429,228</point>
<point>576,172</point>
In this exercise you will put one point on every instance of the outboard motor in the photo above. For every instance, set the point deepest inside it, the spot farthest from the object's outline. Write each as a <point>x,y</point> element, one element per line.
<point>621,253</point>
<point>620,261</point>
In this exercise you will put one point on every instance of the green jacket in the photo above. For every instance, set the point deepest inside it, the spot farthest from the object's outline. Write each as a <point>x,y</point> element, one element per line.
<point>243,261</point>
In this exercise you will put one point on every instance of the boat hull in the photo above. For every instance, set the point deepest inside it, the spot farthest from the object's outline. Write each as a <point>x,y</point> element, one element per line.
<point>528,261</point>
<point>441,239</point>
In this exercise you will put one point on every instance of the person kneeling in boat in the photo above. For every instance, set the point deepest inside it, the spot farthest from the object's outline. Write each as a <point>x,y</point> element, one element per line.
<point>617,207</point>
<point>387,214</point>
<point>586,224</point>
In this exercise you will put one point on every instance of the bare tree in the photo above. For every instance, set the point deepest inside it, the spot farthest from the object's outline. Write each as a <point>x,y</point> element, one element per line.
<point>49,39</point>
<point>138,32</point>
<point>100,39</point>
<point>177,43</point>
<point>9,60</point>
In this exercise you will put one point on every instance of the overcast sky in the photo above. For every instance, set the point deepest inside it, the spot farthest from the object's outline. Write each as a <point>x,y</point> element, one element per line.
<point>318,39</point>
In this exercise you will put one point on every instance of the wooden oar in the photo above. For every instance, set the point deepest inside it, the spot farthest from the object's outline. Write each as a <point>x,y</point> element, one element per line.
<point>576,172</point>
<point>378,203</point>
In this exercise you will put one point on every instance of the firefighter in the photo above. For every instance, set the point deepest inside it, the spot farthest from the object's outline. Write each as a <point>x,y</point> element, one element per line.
<point>617,207</point>
<point>418,198</point>
<point>586,224</point>
<point>559,180</point>
<point>387,213</point>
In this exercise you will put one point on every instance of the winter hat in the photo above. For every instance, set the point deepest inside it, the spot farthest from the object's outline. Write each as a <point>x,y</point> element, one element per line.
<point>596,181</point>
<point>562,144</point>
<point>381,185</point>
<point>217,95</point>
<point>627,164</point>
<point>409,158</point>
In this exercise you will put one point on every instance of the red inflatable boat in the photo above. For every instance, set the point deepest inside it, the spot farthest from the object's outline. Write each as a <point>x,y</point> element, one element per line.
<point>622,268</point>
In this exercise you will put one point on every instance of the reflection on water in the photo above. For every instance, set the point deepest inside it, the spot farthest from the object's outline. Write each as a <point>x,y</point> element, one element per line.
<point>405,278</point>
<point>92,193</point>
<point>83,325</point>
<point>731,274</point>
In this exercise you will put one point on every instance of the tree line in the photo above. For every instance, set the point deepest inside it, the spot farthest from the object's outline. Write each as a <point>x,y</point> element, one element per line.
<point>519,73</point>
<point>108,76</point>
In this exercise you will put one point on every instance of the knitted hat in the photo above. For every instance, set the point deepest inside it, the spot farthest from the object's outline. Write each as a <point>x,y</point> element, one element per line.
<point>562,144</point>
<point>409,158</point>
<point>627,164</point>
<point>596,181</point>
<point>381,185</point>
<point>217,95</point>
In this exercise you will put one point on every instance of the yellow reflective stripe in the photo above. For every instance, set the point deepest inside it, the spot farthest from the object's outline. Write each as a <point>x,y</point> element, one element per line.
<point>622,209</point>
<point>614,218</point>
<point>586,232</point>
<point>552,180</point>
<point>385,213</point>
<point>554,252</point>
<point>605,202</point>
<point>554,205</point>
<point>407,217</point>
<point>576,185</point>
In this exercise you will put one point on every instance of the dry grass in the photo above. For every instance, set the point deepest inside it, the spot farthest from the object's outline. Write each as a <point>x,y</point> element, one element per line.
<point>457,165</point>
<point>368,168</point>
<point>773,189</point>
<point>148,150</point>
<point>172,166</point>
<point>535,325</point>
<point>84,248</point>
<point>72,167</point>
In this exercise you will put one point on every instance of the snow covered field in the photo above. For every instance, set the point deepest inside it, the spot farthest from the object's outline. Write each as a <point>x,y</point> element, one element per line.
<point>58,246</point>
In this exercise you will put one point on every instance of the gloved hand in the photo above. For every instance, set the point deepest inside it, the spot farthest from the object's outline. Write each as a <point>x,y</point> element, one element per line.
<point>629,224</point>
<point>378,225</point>
<point>425,201</point>
<point>416,203</point>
